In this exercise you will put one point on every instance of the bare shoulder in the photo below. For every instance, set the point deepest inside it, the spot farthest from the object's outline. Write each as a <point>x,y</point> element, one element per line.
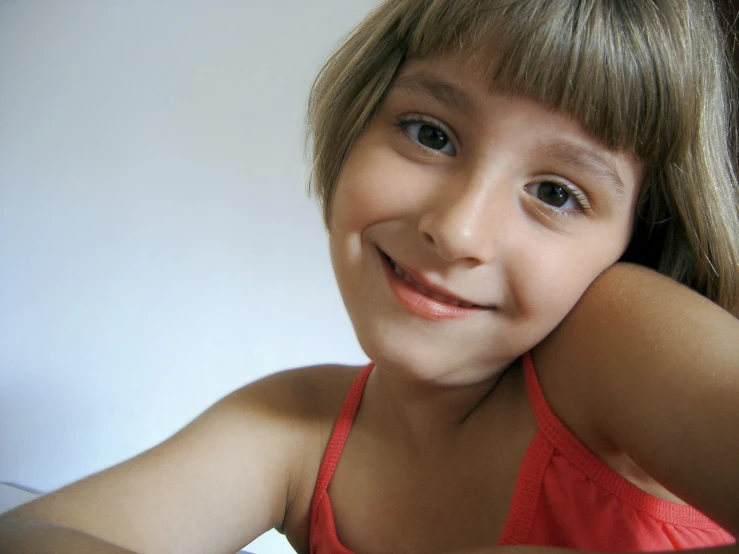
<point>635,331</point>
<point>649,368</point>
<point>634,325</point>
<point>314,391</point>
<point>321,391</point>
<point>303,402</point>
<point>236,471</point>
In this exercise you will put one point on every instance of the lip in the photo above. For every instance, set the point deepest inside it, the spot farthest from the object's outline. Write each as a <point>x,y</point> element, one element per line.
<point>420,303</point>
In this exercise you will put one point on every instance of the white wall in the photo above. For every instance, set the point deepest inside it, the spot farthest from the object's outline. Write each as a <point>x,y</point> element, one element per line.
<point>157,248</point>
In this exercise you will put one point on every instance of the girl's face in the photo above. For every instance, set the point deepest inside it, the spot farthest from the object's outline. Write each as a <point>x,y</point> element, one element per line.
<point>466,224</point>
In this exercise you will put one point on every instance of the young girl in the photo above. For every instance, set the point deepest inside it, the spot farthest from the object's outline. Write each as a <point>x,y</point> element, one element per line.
<point>483,166</point>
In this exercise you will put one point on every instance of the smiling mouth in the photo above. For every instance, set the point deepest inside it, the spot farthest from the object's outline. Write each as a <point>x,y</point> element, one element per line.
<point>440,297</point>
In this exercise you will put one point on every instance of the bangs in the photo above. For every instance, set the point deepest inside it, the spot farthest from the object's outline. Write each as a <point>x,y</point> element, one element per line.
<point>611,65</point>
<point>649,77</point>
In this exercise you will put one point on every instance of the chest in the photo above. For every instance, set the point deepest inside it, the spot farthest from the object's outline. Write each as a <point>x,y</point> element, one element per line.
<point>443,499</point>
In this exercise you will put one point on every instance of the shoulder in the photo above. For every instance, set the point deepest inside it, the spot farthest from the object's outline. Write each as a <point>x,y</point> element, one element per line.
<point>649,368</point>
<point>295,408</point>
<point>633,332</point>
<point>246,465</point>
<point>313,395</point>
<point>303,405</point>
<point>632,324</point>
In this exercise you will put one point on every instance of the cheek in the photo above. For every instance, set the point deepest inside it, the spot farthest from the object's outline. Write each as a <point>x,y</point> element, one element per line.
<point>360,192</point>
<point>377,184</point>
<point>551,289</point>
<point>552,280</point>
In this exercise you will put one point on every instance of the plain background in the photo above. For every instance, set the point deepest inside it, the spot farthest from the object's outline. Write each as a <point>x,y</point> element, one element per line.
<point>157,246</point>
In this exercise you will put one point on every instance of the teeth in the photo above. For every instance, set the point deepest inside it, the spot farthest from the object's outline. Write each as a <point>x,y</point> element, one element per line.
<point>400,273</point>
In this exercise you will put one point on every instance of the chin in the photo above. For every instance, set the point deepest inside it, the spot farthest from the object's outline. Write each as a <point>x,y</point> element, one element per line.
<point>412,356</point>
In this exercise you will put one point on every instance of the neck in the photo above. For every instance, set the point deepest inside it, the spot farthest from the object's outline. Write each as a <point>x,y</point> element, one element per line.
<point>420,412</point>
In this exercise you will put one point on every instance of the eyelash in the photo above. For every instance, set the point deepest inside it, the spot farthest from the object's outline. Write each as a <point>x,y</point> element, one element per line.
<point>580,198</point>
<point>403,121</point>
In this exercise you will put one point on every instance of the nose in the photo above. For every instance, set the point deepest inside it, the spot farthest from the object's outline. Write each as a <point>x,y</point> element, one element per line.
<point>469,219</point>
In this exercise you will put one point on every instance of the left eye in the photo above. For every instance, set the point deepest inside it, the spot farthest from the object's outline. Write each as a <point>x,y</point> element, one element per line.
<point>430,136</point>
<point>554,195</point>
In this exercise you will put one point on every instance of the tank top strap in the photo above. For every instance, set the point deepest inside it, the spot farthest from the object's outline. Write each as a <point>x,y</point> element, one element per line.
<point>557,433</point>
<point>588,464</point>
<point>545,418</point>
<point>339,434</point>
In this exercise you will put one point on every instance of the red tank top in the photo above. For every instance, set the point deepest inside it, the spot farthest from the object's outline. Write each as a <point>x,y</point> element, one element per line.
<point>565,495</point>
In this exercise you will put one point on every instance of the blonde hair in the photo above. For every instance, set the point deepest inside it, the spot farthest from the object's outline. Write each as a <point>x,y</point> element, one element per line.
<point>645,76</point>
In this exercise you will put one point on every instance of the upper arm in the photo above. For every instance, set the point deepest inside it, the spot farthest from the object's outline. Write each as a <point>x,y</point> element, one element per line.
<point>213,487</point>
<point>653,368</point>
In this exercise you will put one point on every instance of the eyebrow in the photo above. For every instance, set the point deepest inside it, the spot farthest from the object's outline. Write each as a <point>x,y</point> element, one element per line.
<point>454,98</point>
<point>436,89</point>
<point>587,159</point>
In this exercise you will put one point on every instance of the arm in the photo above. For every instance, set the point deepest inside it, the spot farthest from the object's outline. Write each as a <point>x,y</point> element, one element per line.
<point>21,536</point>
<point>526,549</point>
<point>213,487</point>
<point>651,368</point>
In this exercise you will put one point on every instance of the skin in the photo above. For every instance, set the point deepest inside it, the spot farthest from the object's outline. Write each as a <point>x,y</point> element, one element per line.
<point>445,395</point>
<point>468,218</point>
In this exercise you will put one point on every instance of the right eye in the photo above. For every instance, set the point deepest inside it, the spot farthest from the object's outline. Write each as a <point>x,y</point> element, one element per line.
<point>428,135</point>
